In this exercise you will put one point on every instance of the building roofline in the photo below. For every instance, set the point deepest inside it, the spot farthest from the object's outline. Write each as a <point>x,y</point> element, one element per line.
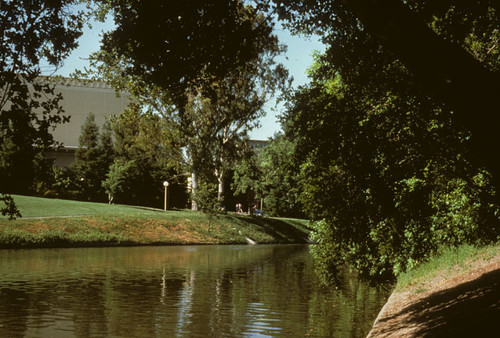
<point>78,82</point>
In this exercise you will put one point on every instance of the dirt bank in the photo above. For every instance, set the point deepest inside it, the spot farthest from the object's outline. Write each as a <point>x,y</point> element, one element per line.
<point>462,305</point>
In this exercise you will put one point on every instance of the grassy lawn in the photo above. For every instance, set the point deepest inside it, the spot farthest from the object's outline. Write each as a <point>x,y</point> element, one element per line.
<point>47,207</point>
<point>53,222</point>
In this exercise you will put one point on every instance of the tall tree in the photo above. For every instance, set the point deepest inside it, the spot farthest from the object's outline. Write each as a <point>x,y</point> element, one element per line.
<point>93,158</point>
<point>433,41</point>
<point>31,33</point>
<point>208,69</point>
<point>386,168</point>
<point>220,125</point>
<point>148,152</point>
<point>280,189</point>
<point>272,176</point>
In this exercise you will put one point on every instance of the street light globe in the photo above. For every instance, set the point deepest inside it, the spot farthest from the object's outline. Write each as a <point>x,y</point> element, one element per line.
<point>165,184</point>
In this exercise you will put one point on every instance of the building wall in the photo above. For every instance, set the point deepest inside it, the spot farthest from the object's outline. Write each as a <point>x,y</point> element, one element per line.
<point>62,157</point>
<point>81,97</point>
<point>258,144</point>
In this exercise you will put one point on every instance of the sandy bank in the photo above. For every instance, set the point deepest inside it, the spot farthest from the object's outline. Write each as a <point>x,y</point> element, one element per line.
<point>462,305</point>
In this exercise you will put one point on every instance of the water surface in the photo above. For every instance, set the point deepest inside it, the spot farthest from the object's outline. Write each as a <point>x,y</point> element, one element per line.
<point>195,291</point>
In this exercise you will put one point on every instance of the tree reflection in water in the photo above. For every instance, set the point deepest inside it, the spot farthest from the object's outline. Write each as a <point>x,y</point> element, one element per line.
<point>182,290</point>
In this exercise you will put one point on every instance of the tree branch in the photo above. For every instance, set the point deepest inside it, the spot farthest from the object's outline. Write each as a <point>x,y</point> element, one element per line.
<point>443,68</point>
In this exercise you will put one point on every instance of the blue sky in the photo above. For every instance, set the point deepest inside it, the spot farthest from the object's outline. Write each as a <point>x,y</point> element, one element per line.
<point>297,59</point>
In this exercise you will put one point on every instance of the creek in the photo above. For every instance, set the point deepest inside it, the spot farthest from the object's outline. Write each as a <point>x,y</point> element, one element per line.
<point>195,291</point>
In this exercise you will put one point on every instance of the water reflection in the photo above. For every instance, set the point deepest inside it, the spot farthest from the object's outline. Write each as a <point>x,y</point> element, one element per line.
<point>178,291</point>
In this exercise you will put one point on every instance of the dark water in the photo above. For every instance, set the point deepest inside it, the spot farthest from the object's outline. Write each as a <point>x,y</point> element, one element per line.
<point>194,291</point>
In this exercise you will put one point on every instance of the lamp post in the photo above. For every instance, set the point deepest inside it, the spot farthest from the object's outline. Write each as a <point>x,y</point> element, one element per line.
<point>165,184</point>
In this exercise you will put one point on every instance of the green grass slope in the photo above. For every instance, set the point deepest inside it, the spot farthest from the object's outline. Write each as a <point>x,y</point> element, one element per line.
<point>447,263</point>
<point>63,223</point>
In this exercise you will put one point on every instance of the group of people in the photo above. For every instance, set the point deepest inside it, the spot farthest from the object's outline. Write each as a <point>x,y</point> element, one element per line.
<point>253,209</point>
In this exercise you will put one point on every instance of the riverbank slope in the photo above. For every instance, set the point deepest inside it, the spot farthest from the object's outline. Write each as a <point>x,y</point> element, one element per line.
<point>460,301</point>
<point>63,223</point>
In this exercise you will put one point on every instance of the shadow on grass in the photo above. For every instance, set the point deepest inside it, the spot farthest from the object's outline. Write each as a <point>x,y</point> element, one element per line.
<point>282,231</point>
<point>146,208</point>
<point>471,309</point>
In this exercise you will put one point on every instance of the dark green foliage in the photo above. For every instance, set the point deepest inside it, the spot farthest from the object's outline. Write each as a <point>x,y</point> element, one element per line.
<point>387,170</point>
<point>93,158</point>
<point>9,209</point>
<point>63,184</point>
<point>190,46</point>
<point>386,191</point>
<point>271,176</point>
<point>207,200</point>
<point>208,70</point>
<point>147,154</point>
<point>31,32</point>
<point>279,180</point>
<point>448,48</point>
<point>247,176</point>
<point>106,144</point>
<point>119,173</point>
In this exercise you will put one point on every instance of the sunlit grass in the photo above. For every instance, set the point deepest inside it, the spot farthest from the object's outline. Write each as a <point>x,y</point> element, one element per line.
<point>47,207</point>
<point>54,222</point>
<point>448,262</point>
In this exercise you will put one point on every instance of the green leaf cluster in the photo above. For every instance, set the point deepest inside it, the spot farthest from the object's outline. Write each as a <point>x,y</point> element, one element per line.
<point>147,153</point>
<point>207,71</point>
<point>33,34</point>
<point>182,47</point>
<point>9,209</point>
<point>93,158</point>
<point>387,171</point>
<point>272,176</point>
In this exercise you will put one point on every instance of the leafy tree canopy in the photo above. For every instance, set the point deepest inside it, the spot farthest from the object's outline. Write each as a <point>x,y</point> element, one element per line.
<point>93,158</point>
<point>388,171</point>
<point>182,46</point>
<point>147,152</point>
<point>217,134</point>
<point>208,68</point>
<point>272,176</point>
<point>31,33</point>
<point>446,46</point>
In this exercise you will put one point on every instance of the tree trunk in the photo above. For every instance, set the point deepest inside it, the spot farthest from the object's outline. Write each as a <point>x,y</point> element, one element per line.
<point>221,187</point>
<point>194,187</point>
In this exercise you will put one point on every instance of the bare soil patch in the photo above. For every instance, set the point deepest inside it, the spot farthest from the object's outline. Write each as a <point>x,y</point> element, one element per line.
<point>466,304</point>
